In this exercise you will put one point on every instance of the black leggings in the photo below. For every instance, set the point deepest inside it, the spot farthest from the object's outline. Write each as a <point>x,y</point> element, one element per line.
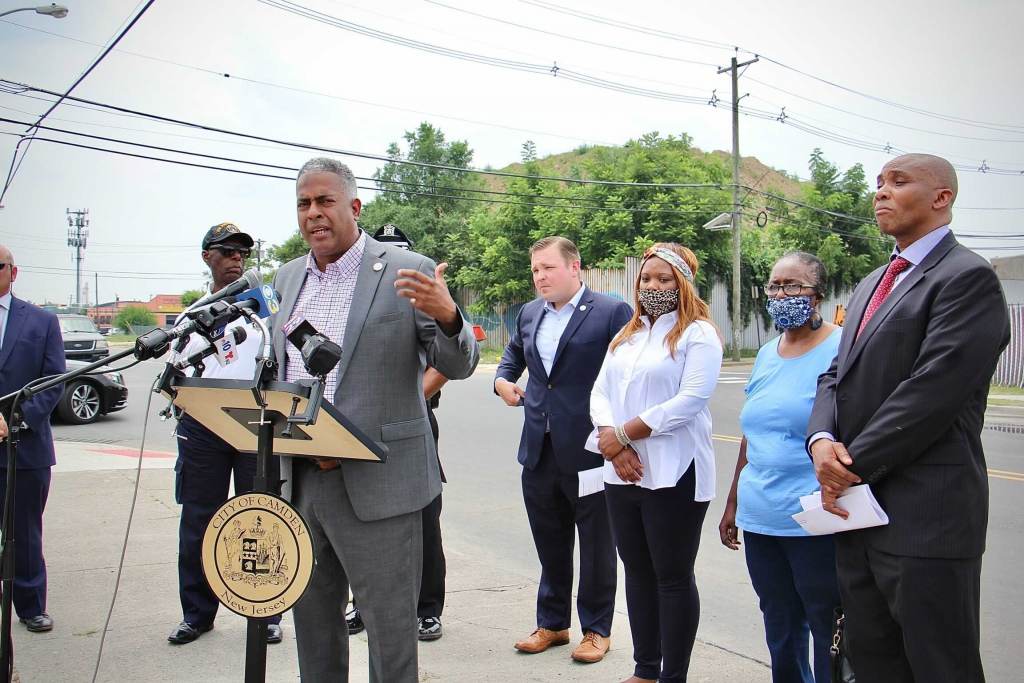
<point>657,534</point>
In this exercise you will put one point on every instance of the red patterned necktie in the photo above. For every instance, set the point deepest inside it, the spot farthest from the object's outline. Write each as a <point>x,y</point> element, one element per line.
<point>896,266</point>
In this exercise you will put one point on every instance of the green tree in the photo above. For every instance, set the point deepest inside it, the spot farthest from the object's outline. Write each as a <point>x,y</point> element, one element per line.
<point>292,248</point>
<point>190,296</point>
<point>429,204</point>
<point>133,315</point>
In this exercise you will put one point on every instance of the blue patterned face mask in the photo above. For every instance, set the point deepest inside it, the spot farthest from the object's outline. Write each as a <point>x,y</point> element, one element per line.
<point>791,312</point>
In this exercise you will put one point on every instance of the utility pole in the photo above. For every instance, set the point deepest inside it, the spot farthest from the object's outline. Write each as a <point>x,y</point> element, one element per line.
<point>737,332</point>
<point>259,255</point>
<point>78,234</point>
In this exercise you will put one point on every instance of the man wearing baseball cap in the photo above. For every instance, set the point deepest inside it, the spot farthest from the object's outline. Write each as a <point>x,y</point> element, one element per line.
<point>206,463</point>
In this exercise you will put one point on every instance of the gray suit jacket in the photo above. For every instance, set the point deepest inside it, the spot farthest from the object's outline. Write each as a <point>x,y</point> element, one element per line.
<point>386,348</point>
<point>908,398</point>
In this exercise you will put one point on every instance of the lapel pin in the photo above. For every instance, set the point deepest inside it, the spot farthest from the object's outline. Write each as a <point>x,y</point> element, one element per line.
<point>583,307</point>
<point>378,266</point>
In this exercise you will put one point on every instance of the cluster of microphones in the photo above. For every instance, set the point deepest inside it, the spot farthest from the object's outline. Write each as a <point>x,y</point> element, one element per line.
<point>210,315</point>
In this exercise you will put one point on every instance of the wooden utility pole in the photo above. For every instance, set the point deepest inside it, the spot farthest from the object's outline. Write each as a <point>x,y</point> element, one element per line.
<point>737,331</point>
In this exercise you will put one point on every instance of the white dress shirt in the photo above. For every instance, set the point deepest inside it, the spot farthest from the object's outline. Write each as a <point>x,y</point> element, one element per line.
<point>5,310</point>
<point>641,379</point>
<point>552,327</point>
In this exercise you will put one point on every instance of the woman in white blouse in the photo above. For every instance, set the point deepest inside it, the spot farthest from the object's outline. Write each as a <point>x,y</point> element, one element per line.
<point>650,407</point>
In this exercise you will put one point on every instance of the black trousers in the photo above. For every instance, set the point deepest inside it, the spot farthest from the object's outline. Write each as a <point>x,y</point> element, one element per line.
<point>657,533</point>
<point>431,602</point>
<point>556,512</point>
<point>909,619</point>
<point>30,493</point>
<point>205,466</point>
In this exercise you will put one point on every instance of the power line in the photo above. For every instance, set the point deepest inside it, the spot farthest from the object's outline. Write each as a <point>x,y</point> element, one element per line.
<point>552,7</point>
<point>606,46</point>
<point>579,77</point>
<point>13,170</point>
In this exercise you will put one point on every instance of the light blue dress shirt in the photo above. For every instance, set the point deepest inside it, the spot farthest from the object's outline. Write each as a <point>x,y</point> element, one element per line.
<point>5,309</point>
<point>552,326</point>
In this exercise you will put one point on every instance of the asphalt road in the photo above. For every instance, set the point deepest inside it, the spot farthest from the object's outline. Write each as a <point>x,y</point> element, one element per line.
<point>483,506</point>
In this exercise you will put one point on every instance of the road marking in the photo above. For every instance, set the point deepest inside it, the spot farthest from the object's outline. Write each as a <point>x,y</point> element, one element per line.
<point>996,474</point>
<point>1004,474</point>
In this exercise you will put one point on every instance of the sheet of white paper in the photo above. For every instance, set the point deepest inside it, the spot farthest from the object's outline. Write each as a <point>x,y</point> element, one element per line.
<point>591,481</point>
<point>857,500</point>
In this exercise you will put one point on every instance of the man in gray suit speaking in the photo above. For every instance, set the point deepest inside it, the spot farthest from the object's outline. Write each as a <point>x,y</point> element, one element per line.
<point>392,314</point>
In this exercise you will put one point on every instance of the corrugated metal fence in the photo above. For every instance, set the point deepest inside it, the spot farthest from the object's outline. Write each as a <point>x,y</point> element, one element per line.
<point>619,282</point>
<point>1010,370</point>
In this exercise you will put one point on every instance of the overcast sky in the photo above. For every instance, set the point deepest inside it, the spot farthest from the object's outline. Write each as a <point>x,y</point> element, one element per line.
<point>336,88</point>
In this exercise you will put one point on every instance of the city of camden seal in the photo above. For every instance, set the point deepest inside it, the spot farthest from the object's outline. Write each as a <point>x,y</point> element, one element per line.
<point>257,555</point>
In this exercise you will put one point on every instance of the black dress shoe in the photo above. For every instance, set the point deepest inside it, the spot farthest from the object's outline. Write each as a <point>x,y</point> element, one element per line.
<point>274,633</point>
<point>185,633</point>
<point>38,624</point>
<point>354,621</point>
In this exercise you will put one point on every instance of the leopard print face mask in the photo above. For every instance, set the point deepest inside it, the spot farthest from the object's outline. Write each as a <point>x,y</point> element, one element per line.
<point>656,302</point>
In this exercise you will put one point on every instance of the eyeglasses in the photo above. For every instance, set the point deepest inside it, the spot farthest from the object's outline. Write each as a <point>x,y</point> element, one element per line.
<point>231,252</point>
<point>789,289</point>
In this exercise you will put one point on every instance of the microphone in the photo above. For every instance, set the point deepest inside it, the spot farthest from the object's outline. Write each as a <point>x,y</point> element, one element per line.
<point>265,296</point>
<point>225,350</point>
<point>250,279</point>
<point>319,354</point>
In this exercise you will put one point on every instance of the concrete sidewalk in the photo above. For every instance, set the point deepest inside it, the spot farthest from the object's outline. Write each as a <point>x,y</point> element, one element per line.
<point>487,606</point>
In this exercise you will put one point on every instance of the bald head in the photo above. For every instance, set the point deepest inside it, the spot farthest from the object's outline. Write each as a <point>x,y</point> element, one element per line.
<point>8,271</point>
<point>915,196</point>
<point>938,169</point>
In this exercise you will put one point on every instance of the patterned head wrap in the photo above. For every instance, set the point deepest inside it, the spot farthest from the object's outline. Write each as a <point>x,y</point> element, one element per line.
<point>674,260</point>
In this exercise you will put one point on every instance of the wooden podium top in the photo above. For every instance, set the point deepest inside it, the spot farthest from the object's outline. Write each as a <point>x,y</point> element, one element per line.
<point>228,409</point>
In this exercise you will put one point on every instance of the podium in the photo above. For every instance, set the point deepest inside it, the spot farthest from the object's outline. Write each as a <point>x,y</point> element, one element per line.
<point>257,552</point>
<point>230,409</point>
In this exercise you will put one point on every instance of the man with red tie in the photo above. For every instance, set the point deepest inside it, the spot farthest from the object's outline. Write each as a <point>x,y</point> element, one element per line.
<point>901,408</point>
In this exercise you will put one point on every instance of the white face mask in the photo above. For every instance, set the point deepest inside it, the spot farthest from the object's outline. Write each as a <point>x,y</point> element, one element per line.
<point>656,302</point>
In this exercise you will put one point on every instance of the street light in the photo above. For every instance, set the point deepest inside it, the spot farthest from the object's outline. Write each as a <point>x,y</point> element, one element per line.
<point>55,11</point>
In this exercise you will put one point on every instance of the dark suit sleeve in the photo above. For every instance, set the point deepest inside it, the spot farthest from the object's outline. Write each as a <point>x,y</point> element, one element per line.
<point>967,330</point>
<point>513,359</point>
<point>823,412</point>
<point>36,411</point>
<point>619,317</point>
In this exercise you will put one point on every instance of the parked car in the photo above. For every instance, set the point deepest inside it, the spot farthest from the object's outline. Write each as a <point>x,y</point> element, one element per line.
<point>82,341</point>
<point>90,396</point>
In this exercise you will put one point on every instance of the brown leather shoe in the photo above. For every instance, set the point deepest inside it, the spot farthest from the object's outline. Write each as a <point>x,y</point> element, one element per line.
<point>542,639</point>
<point>592,648</point>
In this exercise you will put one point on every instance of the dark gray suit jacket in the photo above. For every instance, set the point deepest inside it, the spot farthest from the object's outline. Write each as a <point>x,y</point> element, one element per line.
<point>908,399</point>
<point>386,347</point>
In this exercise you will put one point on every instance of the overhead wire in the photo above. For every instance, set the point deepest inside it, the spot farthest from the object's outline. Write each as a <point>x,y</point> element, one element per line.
<point>15,160</point>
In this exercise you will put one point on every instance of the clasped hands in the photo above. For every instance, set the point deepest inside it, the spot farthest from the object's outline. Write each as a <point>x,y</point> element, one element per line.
<point>831,460</point>
<point>430,295</point>
<point>623,458</point>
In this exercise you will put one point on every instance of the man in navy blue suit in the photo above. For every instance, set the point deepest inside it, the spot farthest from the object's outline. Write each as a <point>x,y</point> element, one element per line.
<point>561,338</point>
<point>31,347</point>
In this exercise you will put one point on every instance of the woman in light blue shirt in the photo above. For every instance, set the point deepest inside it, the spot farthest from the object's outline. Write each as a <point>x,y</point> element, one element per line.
<point>793,574</point>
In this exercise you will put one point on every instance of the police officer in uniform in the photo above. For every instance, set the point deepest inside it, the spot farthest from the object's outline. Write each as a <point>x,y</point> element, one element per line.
<point>431,601</point>
<point>206,463</point>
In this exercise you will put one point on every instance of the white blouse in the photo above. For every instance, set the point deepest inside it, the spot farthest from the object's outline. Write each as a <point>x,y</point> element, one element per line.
<point>669,394</point>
